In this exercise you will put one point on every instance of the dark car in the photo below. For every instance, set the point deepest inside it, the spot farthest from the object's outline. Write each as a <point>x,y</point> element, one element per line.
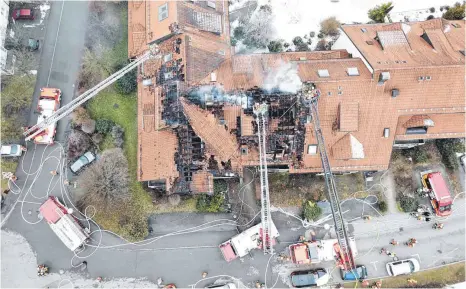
<point>27,14</point>
<point>309,278</point>
<point>359,273</point>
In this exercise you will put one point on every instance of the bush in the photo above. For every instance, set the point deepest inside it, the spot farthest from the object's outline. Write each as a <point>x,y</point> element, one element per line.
<point>320,35</point>
<point>174,199</point>
<point>379,12</point>
<point>448,149</point>
<point>275,46</point>
<point>330,26</point>
<point>408,204</point>
<point>106,182</point>
<point>88,126</point>
<point>104,126</point>
<point>312,34</point>
<point>418,154</point>
<point>78,144</point>
<point>298,41</point>
<point>117,135</point>
<point>311,211</point>
<point>127,84</point>
<point>210,204</point>
<point>80,115</point>
<point>382,206</point>
<point>432,9</point>
<point>97,138</point>
<point>239,33</point>
<point>455,13</point>
<point>321,45</point>
<point>430,17</point>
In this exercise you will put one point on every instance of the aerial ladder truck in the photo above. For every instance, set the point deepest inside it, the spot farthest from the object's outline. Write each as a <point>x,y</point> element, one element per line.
<point>261,112</point>
<point>310,99</point>
<point>30,133</point>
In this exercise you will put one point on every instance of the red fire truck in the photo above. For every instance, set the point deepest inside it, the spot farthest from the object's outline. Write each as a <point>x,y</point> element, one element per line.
<point>64,224</point>
<point>49,102</point>
<point>438,192</point>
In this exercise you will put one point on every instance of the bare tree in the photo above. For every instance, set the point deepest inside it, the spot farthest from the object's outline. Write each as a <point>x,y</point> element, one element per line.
<point>80,115</point>
<point>88,126</point>
<point>106,183</point>
<point>78,143</point>
<point>259,30</point>
<point>330,26</point>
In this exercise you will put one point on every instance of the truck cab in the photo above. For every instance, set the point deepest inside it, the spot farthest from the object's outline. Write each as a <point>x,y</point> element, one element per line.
<point>439,194</point>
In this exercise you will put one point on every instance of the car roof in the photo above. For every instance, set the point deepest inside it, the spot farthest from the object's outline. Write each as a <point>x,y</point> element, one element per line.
<point>401,267</point>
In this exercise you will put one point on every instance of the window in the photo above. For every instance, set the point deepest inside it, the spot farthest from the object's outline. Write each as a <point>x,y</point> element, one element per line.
<point>428,77</point>
<point>323,73</point>
<point>244,151</point>
<point>163,12</point>
<point>363,30</point>
<point>312,149</point>
<point>329,93</point>
<point>167,57</point>
<point>353,71</point>
<point>462,52</point>
<point>421,78</point>
<point>386,132</point>
<point>370,42</point>
<point>395,92</point>
<point>340,92</point>
<point>211,4</point>
<point>417,130</point>
<point>339,87</point>
<point>456,25</point>
<point>221,52</point>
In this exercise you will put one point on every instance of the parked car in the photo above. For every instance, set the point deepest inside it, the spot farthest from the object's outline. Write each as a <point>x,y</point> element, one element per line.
<point>14,150</point>
<point>83,161</point>
<point>309,278</point>
<point>26,14</point>
<point>403,267</point>
<point>359,273</point>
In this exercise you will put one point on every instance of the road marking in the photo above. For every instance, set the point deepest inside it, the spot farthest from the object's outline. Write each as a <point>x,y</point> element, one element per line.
<point>417,255</point>
<point>373,263</point>
<point>56,40</point>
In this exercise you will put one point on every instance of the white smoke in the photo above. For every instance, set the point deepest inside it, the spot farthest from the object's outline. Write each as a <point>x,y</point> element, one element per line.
<point>283,78</point>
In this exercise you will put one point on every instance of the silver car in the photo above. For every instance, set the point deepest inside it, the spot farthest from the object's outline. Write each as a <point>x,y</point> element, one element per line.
<point>83,161</point>
<point>13,150</point>
<point>403,267</point>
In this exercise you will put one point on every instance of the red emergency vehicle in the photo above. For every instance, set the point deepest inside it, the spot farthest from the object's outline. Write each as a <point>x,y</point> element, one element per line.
<point>49,102</point>
<point>439,194</point>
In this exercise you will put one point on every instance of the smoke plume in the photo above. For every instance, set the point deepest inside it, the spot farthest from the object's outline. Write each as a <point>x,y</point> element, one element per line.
<point>283,78</point>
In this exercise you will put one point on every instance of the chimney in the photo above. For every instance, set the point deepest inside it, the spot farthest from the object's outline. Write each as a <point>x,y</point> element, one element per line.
<point>213,77</point>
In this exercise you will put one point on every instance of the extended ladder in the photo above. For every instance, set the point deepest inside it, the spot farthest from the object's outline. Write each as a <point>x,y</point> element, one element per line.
<point>340,228</point>
<point>68,108</point>
<point>261,119</point>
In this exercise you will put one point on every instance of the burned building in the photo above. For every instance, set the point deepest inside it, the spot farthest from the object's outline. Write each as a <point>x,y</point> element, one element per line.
<point>383,85</point>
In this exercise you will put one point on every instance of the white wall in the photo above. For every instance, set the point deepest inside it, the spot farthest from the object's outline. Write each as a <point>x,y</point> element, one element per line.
<point>4,14</point>
<point>343,42</point>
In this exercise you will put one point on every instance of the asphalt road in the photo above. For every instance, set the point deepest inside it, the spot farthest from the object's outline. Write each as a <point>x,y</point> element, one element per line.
<point>61,53</point>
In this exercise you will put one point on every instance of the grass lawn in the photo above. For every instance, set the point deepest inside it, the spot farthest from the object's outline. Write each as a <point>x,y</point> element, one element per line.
<point>122,109</point>
<point>435,278</point>
<point>8,166</point>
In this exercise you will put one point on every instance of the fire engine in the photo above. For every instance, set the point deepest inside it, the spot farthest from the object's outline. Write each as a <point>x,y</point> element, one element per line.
<point>64,224</point>
<point>49,102</point>
<point>438,192</point>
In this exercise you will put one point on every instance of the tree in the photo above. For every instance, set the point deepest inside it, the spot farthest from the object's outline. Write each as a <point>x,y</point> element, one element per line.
<point>275,46</point>
<point>321,45</point>
<point>210,204</point>
<point>106,182</point>
<point>128,82</point>
<point>379,12</point>
<point>299,44</point>
<point>408,204</point>
<point>312,34</point>
<point>104,126</point>
<point>80,115</point>
<point>311,211</point>
<point>448,149</point>
<point>430,17</point>
<point>330,26</point>
<point>88,126</point>
<point>456,12</point>
<point>432,9</point>
<point>239,33</point>
<point>259,29</point>
<point>78,144</point>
